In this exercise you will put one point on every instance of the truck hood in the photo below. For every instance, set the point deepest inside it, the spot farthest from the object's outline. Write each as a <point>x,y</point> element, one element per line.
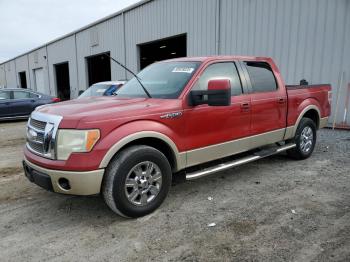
<point>102,108</point>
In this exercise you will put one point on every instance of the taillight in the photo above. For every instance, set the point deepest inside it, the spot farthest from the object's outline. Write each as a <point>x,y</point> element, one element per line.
<point>330,97</point>
<point>55,99</point>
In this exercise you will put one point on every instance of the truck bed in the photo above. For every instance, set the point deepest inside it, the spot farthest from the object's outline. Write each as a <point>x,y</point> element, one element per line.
<point>300,95</point>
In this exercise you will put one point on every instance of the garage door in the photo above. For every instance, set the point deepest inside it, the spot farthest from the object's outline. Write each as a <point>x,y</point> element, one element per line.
<point>39,80</point>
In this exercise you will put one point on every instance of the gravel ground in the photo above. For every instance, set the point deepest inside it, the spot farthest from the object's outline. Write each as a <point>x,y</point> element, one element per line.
<point>275,209</point>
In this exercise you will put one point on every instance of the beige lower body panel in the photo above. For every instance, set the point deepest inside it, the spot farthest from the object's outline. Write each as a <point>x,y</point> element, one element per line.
<point>323,122</point>
<point>181,162</point>
<point>291,130</point>
<point>81,183</point>
<point>209,153</point>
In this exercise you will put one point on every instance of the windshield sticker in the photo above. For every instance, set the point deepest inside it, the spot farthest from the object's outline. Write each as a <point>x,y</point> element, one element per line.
<point>187,70</point>
<point>100,90</point>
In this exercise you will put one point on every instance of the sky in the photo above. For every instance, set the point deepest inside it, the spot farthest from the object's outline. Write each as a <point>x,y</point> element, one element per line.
<point>27,24</point>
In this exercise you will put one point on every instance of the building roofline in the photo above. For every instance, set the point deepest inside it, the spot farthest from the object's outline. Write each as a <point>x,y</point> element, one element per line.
<point>124,10</point>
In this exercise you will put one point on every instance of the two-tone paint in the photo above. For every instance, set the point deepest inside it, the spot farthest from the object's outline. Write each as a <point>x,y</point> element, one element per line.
<point>190,135</point>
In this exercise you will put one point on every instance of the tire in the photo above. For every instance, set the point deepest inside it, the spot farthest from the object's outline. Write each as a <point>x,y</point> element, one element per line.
<point>136,181</point>
<point>305,140</point>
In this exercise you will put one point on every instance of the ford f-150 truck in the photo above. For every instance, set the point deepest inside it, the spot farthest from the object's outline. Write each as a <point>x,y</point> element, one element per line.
<point>197,115</point>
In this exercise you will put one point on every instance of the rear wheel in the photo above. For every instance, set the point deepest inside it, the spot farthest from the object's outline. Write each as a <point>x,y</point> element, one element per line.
<point>305,139</point>
<point>137,181</point>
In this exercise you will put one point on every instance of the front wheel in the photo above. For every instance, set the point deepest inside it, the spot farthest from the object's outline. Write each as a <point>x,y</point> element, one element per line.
<point>305,139</point>
<point>137,181</point>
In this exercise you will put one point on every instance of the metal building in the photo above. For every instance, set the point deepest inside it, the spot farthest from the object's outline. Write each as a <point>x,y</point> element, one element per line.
<point>309,39</point>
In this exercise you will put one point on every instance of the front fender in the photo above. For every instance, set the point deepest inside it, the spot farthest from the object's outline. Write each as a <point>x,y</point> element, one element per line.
<point>132,131</point>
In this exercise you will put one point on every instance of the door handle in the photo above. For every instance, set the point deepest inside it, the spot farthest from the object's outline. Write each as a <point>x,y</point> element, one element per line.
<point>245,106</point>
<point>281,100</point>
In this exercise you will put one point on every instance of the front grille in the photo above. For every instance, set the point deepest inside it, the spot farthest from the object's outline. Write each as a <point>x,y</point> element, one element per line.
<point>41,134</point>
<point>36,136</point>
<point>40,138</point>
<point>37,124</point>
<point>36,147</point>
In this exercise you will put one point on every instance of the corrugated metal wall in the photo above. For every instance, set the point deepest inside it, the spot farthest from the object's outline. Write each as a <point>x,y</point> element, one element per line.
<point>164,18</point>
<point>307,38</point>
<point>10,74</point>
<point>61,52</point>
<point>22,65</point>
<point>39,60</point>
<point>2,76</point>
<point>109,38</point>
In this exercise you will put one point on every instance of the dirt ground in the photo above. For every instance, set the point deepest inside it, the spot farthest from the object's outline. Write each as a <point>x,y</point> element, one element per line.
<point>275,209</point>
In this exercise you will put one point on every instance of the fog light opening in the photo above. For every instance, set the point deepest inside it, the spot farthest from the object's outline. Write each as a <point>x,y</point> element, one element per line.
<point>64,183</point>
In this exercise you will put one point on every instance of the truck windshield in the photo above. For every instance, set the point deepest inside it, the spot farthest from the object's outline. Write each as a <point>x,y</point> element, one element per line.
<point>162,80</point>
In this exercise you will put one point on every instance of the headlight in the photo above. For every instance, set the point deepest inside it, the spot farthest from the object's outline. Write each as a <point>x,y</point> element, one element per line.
<point>70,141</point>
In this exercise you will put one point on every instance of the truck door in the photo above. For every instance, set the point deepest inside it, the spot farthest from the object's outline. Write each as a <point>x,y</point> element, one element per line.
<point>268,103</point>
<point>212,129</point>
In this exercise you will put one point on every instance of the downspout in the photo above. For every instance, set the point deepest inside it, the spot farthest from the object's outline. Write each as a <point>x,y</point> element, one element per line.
<point>48,69</point>
<point>217,29</point>
<point>5,75</point>
<point>124,42</point>
<point>30,80</point>
<point>76,62</point>
<point>16,73</point>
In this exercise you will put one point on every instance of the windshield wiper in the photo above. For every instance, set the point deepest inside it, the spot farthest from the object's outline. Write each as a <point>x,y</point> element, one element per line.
<point>131,72</point>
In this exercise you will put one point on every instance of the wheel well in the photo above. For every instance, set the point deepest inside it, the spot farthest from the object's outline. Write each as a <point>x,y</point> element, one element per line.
<point>158,144</point>
<point>313,115</point>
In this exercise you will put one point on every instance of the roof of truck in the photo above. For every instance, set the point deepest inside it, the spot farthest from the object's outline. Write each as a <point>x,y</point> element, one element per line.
<point>210,58</point>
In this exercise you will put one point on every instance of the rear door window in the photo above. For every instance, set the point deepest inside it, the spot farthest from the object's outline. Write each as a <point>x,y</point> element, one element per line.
<point>224,70</point>
<point>20,94</point>
<point>261,77</point>
<point>4,95</point>
<point>33,95</point>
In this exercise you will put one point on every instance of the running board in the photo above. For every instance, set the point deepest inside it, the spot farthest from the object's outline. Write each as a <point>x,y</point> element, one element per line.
<point>256,156</point>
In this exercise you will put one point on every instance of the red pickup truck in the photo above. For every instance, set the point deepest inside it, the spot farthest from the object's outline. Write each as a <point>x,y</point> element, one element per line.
<point>199,115</point>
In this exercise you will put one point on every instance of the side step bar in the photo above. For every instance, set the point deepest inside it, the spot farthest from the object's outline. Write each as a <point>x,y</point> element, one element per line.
<point>256,156</point>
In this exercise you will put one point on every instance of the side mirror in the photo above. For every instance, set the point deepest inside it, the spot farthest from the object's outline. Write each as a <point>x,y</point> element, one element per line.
<point>80,92</point>
<point>218,94</point>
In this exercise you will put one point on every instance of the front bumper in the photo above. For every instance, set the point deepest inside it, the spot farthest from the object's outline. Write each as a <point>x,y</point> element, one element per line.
<point>79,183</point>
